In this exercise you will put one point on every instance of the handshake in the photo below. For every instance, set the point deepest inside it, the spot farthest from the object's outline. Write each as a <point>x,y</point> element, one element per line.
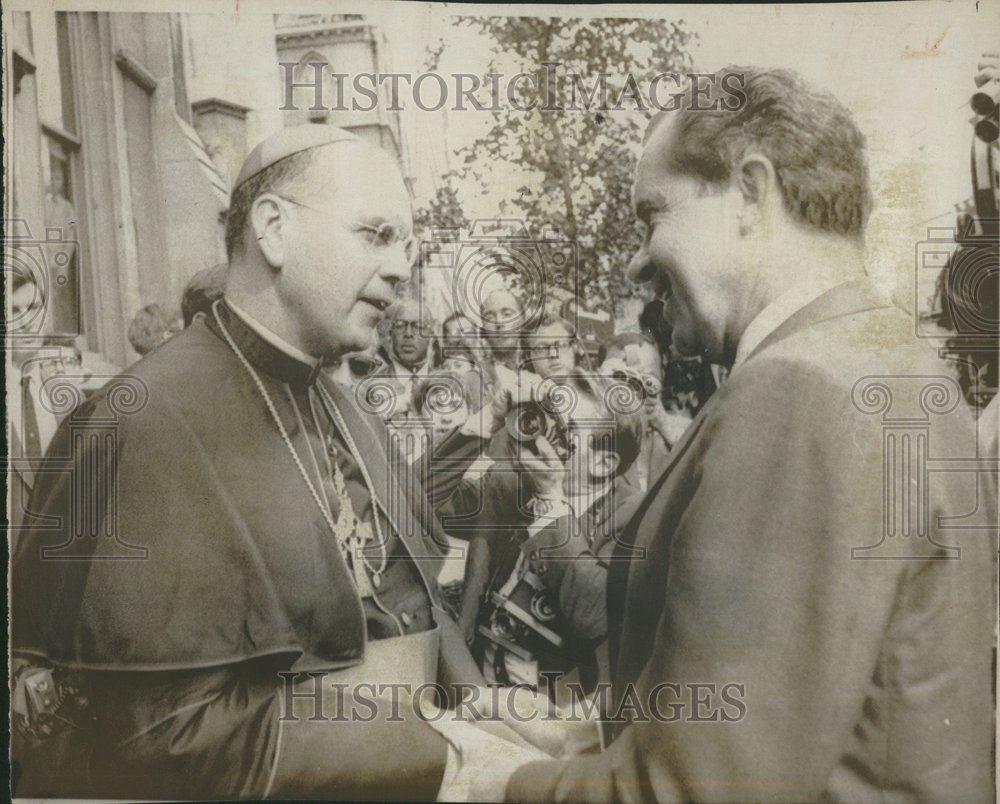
<point>496,730</point>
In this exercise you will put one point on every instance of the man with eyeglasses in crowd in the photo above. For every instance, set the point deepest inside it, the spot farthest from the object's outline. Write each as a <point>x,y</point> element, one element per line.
<point>546,355</point>
<point>409,351</point>
<point>551,350</point>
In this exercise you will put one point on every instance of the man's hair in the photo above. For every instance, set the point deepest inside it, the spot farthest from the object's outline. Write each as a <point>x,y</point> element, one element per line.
<point>202,290</point>
<point>549,318</point>
<point>273,179</point>
<point>812,140</point>
<point>626,423</point>
<point>146,331</point>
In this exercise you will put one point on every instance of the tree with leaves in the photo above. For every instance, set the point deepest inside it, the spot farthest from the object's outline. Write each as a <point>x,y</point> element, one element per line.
<point>579,164</point>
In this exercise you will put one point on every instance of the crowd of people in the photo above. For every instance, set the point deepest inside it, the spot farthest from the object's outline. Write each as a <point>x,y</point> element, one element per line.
<point>515,421</point>
<point>290,500</point>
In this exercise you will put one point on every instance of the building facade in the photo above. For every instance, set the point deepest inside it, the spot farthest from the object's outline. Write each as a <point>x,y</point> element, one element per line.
<point>124,133</point>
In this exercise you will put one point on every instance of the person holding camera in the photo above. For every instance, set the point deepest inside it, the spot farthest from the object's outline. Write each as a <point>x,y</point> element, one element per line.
<point>520,364</point>
<point>544,608</point>
<point>636,357</point>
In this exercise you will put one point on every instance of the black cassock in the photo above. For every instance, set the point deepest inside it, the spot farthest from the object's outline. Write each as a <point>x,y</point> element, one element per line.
<point>175,561</point>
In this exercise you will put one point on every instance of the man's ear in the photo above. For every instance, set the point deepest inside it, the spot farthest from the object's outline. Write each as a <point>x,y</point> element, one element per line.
<point>757,183</point>
<point>268,222</point>
<point>605,463</point>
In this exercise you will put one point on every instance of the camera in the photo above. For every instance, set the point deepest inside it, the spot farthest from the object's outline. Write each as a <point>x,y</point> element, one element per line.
<point>526,421</point>
<point>644,385</point>
<point>523,623</point>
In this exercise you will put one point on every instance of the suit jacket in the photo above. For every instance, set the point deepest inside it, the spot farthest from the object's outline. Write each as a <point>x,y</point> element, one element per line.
<point>572,554</point>
<point>792,630</point>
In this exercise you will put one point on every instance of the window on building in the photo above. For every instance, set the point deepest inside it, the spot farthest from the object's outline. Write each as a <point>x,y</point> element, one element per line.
<point>60,164</point>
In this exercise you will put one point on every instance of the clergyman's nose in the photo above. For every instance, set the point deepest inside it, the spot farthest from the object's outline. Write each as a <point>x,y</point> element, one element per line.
<point>395,269</point>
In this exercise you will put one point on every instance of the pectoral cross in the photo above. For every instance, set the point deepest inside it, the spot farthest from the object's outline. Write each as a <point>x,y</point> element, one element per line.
<point>352,536</point>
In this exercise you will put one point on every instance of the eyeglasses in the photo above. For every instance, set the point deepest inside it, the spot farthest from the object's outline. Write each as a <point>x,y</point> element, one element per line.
<point>548,348</point>
<point>405,326</point>
<point>383,234</point>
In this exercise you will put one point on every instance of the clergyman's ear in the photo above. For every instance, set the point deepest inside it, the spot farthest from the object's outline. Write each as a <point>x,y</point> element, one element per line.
<point>267,225</point>
<point>757,182</point>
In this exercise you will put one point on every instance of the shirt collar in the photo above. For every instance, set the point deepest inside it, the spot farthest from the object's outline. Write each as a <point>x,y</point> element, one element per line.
<point>778,312</point>
<point>588,498</point>
<point>419,371</point>
<point>264,348</point>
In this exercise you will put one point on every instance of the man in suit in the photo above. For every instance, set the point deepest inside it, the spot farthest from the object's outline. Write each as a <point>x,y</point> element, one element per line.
<point>409,352</point>
<point>779,551</point>
<point>247,542</point>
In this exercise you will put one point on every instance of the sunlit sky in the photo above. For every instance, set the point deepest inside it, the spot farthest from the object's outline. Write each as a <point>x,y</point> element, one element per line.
<point>904,69</point>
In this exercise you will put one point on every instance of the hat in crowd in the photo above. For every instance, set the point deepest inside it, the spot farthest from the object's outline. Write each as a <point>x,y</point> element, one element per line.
<point>290,141</point>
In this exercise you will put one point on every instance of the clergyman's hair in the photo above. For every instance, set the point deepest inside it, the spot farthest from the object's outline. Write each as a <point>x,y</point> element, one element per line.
<point>201,291</point>
<point>817,150</point>
<point>271,179</point>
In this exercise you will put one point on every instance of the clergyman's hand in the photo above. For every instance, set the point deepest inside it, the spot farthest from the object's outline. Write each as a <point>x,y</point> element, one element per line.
<point>557,731</point>
<point>480,763</point>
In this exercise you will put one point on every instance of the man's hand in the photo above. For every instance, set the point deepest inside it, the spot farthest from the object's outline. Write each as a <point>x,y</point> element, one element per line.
<point>545,469</point>
<point>512,388</point>
<point>671,426</point>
